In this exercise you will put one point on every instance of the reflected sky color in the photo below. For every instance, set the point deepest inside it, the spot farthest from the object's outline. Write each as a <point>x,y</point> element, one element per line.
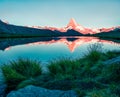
<point>71,45</point>
<point>89,13</point>
<point>54,49</point>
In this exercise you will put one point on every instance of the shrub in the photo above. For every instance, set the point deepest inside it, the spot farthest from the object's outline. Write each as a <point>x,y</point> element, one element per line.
<point>111,73</point>
<point>114,88</point>
<point>18,71</point>
<point>64,68</point>
<point>101,93</point>
<point>94,53</point>
<point>90,69</point>
<point>88,84</point>
<point>80,93</point>
<point>38,81</point>
<point>12,78</point>
<point>26,67</point>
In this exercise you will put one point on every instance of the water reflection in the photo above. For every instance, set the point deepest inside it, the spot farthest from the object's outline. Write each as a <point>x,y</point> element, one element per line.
<point>71,42</point>
<point>47,49</point>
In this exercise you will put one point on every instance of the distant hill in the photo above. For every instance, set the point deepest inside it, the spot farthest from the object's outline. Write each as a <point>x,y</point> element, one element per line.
<point>72,29</point>
<point>8,29</point>
<point>111,34</point>
<point>20,30</point>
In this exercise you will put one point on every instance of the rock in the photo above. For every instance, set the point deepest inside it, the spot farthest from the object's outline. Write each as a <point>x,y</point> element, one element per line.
<point>112,61</point>
<point>33,91</point>
<point>2,90</point>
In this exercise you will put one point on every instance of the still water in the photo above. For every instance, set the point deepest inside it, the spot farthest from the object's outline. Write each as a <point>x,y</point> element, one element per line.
<point>47,49</point>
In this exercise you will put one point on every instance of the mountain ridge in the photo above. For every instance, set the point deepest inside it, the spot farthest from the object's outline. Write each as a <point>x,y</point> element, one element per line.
<point>77,27</point>
<point>22,30</point>
<point>72,29</point>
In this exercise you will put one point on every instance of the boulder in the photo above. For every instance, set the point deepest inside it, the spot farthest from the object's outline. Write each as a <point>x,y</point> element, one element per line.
<point>33,91</point>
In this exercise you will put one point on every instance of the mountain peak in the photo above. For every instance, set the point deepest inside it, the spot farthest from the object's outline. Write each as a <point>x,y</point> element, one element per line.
<point>72,23</point>
<point>72,20</point>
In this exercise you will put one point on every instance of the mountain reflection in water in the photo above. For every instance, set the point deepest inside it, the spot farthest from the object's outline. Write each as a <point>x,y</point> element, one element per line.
<point>47,48</point>
<point>70,42</point>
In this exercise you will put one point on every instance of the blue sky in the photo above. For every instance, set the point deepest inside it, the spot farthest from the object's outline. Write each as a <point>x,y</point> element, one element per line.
<point>89,13</point>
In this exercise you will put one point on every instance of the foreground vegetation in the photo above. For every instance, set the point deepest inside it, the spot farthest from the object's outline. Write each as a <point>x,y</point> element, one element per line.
<point>88,76</point>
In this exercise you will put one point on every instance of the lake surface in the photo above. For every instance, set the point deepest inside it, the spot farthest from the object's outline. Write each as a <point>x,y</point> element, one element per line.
<point>47,49</point>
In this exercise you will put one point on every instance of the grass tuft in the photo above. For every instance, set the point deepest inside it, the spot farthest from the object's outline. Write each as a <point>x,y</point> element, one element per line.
<point>111,73</point>
<point>26,67</point>
<point>18,71</point>
<point>94,53</point>
<point>64,68</point>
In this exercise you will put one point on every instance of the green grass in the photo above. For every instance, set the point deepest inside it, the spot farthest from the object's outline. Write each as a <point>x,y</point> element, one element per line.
<point>94,53</point>
<point>26,67</point>
<point>110,73</point>
<point>101,93</point>
<point>18,71</point>
<point>12,78</point>
<point>64,68</point>
<point>88,76</point>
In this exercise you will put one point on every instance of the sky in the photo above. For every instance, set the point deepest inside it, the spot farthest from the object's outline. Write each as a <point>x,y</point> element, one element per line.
<point>57,13</point>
